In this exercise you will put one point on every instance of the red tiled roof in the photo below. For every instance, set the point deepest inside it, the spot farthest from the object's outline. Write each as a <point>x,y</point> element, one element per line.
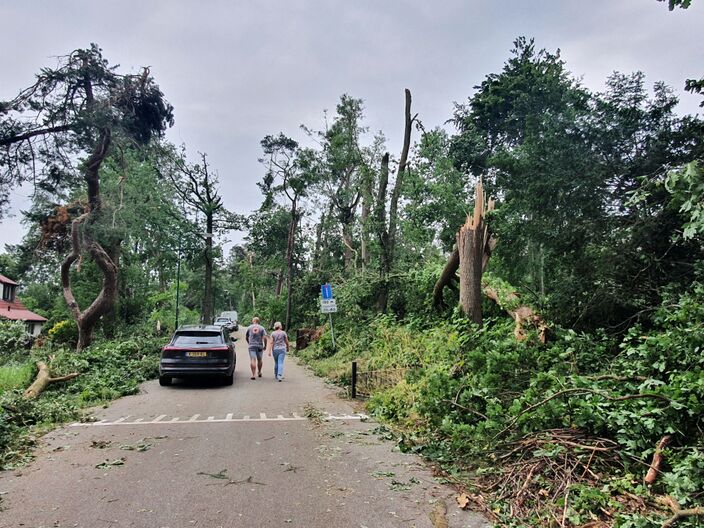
<point>16,311</point>
<point>5,280</point>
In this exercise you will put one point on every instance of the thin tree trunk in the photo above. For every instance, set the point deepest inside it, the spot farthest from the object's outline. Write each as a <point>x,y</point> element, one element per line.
<point>279,283</point>
<point>396,194</point>
<point>347,252</point>
<point>383,234</point>
<point>208,300</point>
<point>251,270</point>
<point>364,218</point>
<point>388,236</point>
<point>289,258</point>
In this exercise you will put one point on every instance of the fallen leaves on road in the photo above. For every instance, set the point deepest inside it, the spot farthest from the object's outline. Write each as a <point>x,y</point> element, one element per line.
<point>107,464</point>
<point>313,414</point>
<point>139,446</point>
<point>382,474</point>
<point>397,485</point>
<point>463,500</point>
<point>100,444</point>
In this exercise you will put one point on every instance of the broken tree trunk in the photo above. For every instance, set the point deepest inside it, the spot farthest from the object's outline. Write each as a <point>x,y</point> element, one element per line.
<point>43,380</point>
<point>523,315</point>
<point>472,239</point>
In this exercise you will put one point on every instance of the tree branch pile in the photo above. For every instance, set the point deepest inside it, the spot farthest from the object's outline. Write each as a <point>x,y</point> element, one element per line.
<point>535,475</point>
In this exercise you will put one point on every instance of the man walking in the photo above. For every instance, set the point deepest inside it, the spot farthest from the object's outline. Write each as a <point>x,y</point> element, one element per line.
<point>255,337</point>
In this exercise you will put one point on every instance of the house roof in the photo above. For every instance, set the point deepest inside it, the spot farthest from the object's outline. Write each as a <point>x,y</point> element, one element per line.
<point>5,280</point>
<point>16,311</point>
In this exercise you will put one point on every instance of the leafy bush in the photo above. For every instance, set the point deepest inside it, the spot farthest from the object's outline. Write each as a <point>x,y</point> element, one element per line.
<point>65,332</point>
<point>13,339</point>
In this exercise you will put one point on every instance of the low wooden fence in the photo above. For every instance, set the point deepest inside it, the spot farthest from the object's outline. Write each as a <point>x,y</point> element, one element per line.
<point>366,383</point>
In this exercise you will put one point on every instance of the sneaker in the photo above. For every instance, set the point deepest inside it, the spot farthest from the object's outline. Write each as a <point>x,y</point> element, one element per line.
<point>252,378</point>
<point>279,380</point>
<point>260,374</point>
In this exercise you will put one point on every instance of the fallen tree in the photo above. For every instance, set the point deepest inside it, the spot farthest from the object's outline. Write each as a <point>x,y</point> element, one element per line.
<point>43,380</point>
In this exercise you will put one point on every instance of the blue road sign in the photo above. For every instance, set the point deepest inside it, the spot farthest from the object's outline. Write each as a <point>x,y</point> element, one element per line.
<point>326,290</point>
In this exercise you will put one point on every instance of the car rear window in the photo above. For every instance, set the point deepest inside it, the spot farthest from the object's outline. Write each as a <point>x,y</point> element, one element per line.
<point>198,338</point>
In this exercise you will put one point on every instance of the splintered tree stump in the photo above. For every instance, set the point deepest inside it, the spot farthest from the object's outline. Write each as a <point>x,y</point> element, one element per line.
<point>43,380</point>
<point>472,246</point>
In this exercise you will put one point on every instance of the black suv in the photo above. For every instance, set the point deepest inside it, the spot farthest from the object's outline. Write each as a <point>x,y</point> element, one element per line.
<point>198,350</point>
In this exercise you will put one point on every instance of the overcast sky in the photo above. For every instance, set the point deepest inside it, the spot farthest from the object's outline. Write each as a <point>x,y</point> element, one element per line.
<point>236,71</point>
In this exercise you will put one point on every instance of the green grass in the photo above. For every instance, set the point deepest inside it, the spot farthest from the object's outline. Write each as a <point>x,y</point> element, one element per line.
<point>15,376</point>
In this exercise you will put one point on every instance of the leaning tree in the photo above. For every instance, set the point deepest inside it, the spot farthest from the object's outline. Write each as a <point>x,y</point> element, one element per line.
<point>62,128</point>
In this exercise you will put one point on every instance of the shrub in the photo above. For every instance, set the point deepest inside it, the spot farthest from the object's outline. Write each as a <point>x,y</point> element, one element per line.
<point>64,332</point>
<point>13,339</point>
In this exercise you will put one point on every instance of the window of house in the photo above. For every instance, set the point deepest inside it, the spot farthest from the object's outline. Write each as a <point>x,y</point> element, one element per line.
<point>8,293</point>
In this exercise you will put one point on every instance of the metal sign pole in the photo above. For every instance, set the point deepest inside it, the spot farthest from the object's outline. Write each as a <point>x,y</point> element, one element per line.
<point>332,332</point>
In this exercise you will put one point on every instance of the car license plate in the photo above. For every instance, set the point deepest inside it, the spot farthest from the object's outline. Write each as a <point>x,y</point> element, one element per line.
<point>196,354</point>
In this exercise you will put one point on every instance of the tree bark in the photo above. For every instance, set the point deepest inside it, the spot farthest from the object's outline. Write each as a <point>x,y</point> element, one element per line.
<point>82,240</point>
<point>364,218</point>
<point>208,301</point>
<point>388,235</point>
<point>447,278</point>
<point>470,247</point>
<point>289,258</point>
<point>383,235</point>
<point>43,380</point>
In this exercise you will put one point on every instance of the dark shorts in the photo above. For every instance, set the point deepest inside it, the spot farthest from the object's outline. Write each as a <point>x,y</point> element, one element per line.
<point>256,353</point>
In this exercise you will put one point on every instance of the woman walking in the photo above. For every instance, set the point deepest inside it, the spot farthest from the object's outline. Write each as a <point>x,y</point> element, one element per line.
<point>279,347</point>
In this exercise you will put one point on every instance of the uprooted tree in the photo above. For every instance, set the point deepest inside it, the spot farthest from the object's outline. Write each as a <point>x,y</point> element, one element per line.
<point>80,110</point>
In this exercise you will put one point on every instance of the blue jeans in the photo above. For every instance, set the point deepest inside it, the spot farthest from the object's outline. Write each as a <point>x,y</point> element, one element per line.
<point>279,355</point>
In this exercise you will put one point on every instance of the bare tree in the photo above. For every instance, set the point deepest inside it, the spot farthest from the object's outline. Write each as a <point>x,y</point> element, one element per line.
<point>387,232</point>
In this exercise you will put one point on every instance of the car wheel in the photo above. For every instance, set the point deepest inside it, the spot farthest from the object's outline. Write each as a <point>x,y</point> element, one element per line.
<point>229,380</point>
<point>165,381</point>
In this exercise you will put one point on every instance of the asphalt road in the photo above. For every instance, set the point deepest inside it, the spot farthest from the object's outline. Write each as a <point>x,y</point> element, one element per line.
<point>208,456</point>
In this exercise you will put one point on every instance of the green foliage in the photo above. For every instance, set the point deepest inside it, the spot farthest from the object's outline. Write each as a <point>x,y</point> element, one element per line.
<point>107,370</point>
<point>64,332</point>
<point>687,189</point>
<point>469,391</point>
<point>13,338</point>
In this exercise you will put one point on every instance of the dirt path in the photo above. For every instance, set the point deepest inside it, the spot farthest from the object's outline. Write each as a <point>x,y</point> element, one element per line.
<point>195,455</point>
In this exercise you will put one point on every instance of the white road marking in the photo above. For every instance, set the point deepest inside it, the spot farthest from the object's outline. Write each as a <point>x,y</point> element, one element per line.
<point>211,419</point>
